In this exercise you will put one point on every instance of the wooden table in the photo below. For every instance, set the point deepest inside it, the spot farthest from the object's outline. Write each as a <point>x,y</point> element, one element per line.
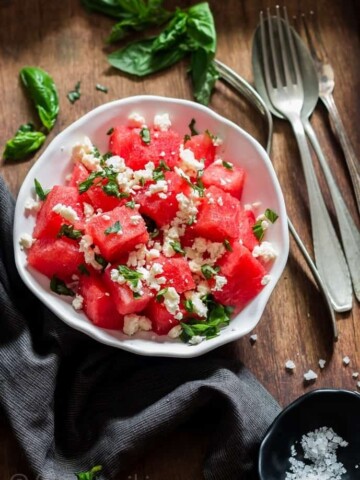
<point>68,42</point>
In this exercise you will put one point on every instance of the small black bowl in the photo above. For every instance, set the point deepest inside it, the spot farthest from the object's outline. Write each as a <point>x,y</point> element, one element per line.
<point>338,409</point>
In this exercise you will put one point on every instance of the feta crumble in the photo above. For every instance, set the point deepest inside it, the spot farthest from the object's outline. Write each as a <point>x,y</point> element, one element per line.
<point>290,365</point>
<point>68,213</point>
<point>78,302</point>
<point>175,332</point>
<point>322,363</point>
<point>89,250</point>
<point>346,361</point>
<point>26,241</point>
<point>253,338</point>
<point>162,122</point>
<point>134,323</point>
<point>265,251</point>
<point>32,206</point>
<point>135,120</point>
<point>310,376</point>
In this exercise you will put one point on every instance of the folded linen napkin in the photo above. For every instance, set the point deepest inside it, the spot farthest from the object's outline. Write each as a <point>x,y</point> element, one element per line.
<point>74,403</point>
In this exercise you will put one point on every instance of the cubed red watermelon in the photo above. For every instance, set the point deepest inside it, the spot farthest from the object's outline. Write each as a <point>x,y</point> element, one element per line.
<point>244,274</point>
<point>59,256</point>
<point>231,179</point>
<point>98,304</point>
<point>246,233</point>
<point>48,222</point>
<point>99,199</point>
<point>203,147</point>
<point>162,320</point>
<point>128,144</point>
<point>177,273</point>
<point>162,210</point>
<point>218,217</point>
<point>79,175</point>
<point>123,296</point>
<point>130,233</point>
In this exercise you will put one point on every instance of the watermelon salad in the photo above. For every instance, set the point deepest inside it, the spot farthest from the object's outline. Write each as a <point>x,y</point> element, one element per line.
<point>152,235</point>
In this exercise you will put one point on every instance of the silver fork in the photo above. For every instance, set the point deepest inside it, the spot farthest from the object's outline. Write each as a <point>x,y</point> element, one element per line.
<point>286,93</point>
<point>326,79</point>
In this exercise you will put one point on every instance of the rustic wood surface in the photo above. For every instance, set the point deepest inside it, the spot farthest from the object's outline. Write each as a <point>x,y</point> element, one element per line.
<point>68,42</point>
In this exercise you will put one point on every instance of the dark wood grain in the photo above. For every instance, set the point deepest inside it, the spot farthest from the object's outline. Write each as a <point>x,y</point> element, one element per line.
<point>69,43</point>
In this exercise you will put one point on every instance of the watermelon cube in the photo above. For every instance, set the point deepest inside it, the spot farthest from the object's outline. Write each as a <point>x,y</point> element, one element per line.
<point>123,296</point>
<point>114,242</point>
<point>218,217</point>
<point>128,144</point>
<point>59,256</point>
<point>203,148</point>
<point>79,175</point>
<point>231,180</point>
<point>101,200</point>
<point>246,233</point>
<point>177,273</point>
<point>244,274</point>
<point>98,304</point>
<point>48,222</point>
<point>162,210</point>
<point>162,320</point>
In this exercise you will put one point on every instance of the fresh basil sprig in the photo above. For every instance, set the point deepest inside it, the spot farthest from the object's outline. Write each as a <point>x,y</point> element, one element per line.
<point>58,286</point>
<point>90,475</point>
<point>43,93</point>
<point>189,32</point>
<point>69,231</point>
<point>24,142</point>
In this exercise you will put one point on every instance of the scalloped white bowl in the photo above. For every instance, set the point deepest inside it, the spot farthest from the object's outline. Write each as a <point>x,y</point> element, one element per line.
<point>238,147</point>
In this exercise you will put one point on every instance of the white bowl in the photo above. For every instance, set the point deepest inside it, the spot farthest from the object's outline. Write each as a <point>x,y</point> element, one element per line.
<point>238,147</point>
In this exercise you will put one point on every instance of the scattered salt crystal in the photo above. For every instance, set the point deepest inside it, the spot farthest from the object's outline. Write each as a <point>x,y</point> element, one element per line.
<point>319,448</point>
<point>346,361</point>
<point>322,363</point>
<point>355,374</point>
<point>310,375</point>
<point>290,365</point>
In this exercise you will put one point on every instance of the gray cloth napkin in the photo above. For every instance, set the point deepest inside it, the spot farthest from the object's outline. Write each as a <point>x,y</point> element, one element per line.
<point>74,403</point>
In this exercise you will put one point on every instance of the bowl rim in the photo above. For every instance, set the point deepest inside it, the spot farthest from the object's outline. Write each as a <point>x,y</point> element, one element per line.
<point>293,406</point>
<point>204,346</point>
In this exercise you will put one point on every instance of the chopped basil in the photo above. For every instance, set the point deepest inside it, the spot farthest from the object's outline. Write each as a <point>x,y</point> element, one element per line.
<point>69,231</point>
<point>227,245</point>
<point>59,287</point>
<point>111,188</point>
<point>145,135</point>
<point>191,220</point>
<point>101,88</point>
<point>271,215</point>
<point>155,233</point>
<point>176,246</point>
<point>142,181</point>
<point>227,165</point>
<point>96,152</point>
<point>110,131</point>
<point>116,228</point>
<point>130,204</point>
<point>198,186</point>
<point>186,138</point>
<point>75,94</point>
<point>100,260</point>
<point>130,275</point>
<point>40,192</point>
<point>160,294</point>
<point>90,475</point>
<point>189,307</point>
<point>192,127</point>
<point>83,270</point>
<point>158,173</point>
<point>218,317</point>
<point>136,295</point>
<point>258,230</point>
<point>208,271</point>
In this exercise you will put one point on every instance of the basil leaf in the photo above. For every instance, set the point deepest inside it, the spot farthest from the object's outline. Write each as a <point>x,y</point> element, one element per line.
<point>101,88</point>
<point>59,287</point>
<point>130,204</point>
<point>139,59</point>
<point>112,8</point>
<point>227,245</point>
<point>160,294</point>
<point>90,475</point>
<point>192,127</point>
<point>26,127</point>
<point>83,270</point>
<point>74,95</point>
<point>173,33</point>
<point>176,246</point>
<point>22,144</point>
<point>227,165</point>
<point>114,228</point>
<point>258,230</point>
<point>131,276</point>
<point>203,74</point>
<point>145,135</point>
<point>271,215</point>
<point>208,271</point>
<point>43,93</point>
<point>69,231</point>
<point>100,260</point>
<point>189,307</point>
<point>40,192</point>
<point>158,173</point>
<point>110,131</point>
<point>201,27</point>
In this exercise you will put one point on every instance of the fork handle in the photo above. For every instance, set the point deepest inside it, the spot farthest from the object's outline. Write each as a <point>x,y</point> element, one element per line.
<point>329,256</point>
<point>350,235</point>
<point>352,163</point>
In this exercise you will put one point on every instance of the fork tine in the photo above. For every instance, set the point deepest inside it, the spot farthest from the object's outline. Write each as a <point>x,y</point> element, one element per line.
<point>274,53</point>
<point>294,56</point>
<point>283,49</point>
<point>265,55</point>
<point>309,39</point>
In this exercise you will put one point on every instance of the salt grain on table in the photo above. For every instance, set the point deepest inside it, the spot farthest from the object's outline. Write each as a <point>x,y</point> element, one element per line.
<point>319,449</point>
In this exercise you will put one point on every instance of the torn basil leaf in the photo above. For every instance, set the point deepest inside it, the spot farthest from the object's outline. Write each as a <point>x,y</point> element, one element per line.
<point>24,142</point>
<point>40,192</point>
<point>58,286</point>
<point>116,228</point>
<point>69,231</point>
<point>75,94</point>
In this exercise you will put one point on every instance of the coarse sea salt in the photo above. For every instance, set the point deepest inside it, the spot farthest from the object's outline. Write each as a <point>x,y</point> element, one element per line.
<point>320,455</point>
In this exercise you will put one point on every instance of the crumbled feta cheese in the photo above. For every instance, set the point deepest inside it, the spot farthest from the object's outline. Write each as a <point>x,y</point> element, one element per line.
<point>26,241</point>
<point>78,302</point>
<point>116,163</point>
<point>199,306</point>
<point>266,279</point>
<point>265,224</point>
<point>322,363</point>
<point>196,339</point>
<point>175,332</point>
<point>253,338</point>
<point>159,186</point>
<point>135,120</point>
<point>89,250</point>
<point>346,361</point>
<point>310,375</point>
<point>84,153</point>
<point>218,161</point>
<point>135,219</point>
<point>162,195</point>
<point>32,206</point>
<point>290,365</point>
<point>106,217</point>
<point>355,374</point>
<point>217,141</point>
<point>88,210</point>
<point>188,161</point>
<point>220,282</point>
<point>220,201</point>
<point>265,251</point>
<point>68,213</point>
<point>171,300</point>
<point>133,323</point>
<point>162,122</point>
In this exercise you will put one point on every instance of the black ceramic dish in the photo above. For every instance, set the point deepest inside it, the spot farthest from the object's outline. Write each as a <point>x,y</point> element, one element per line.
<point>338,409</point>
